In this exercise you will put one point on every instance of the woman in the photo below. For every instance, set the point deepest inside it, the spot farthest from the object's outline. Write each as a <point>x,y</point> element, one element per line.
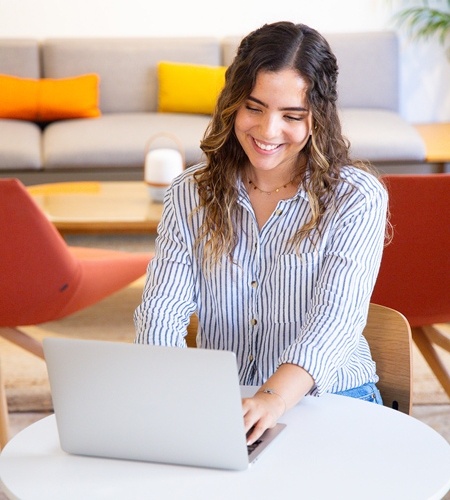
<point>276,240</point>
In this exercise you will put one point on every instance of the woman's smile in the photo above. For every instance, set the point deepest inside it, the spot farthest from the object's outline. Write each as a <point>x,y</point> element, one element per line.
<point>265,146</point>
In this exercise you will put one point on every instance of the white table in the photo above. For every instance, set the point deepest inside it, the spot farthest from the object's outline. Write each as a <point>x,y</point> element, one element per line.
<point>333,448</point>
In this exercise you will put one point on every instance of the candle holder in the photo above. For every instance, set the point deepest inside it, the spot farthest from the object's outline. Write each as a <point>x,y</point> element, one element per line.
<point>163,163</point>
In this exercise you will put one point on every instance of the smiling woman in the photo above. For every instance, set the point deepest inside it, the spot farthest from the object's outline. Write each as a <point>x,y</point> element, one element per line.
<point>274,124</point>
<point>272,127</point>
<point>276,239</point>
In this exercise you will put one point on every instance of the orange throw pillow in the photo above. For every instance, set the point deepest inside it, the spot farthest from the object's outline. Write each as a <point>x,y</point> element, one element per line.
<point>48,99</point>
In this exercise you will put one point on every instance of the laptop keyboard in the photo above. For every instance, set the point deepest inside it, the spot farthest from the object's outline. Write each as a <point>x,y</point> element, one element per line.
<point>252,447</point>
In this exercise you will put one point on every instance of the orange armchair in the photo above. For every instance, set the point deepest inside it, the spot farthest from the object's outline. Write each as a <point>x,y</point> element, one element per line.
<point>42,278</point>
<point>415,270</point>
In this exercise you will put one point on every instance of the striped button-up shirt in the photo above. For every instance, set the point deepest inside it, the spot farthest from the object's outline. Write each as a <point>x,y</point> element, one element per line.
<point>272,303</point>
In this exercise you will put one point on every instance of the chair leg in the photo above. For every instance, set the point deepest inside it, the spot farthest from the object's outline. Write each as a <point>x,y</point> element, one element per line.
<point>23,340</point>
<point>424,338</point>
<point>4,418</point>
<point>437,337</point>
<point>29,344</point>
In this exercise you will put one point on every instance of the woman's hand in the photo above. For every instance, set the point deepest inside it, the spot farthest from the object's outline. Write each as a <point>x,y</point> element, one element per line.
<point>282,391</point>
<point>261,412</point>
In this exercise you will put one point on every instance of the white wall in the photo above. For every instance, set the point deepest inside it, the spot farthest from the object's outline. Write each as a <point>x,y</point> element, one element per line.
<point>425,73</point>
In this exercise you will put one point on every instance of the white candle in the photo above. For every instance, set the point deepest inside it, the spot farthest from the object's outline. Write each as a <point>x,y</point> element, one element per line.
<point>161,167</point>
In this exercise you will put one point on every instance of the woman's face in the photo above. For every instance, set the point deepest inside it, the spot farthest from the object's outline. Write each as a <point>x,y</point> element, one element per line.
<point>274,123</point>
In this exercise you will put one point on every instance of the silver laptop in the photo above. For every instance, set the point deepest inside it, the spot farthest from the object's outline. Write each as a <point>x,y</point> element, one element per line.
<point>150,403</point>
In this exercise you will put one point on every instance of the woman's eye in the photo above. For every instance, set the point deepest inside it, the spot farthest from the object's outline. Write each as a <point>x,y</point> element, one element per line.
<point>251,108</point>
<point>294,118</point>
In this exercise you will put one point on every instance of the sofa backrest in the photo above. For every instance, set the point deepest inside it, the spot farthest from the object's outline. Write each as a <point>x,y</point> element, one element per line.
<point>20,57</point>
<point>368,67</point>
<point>127,66</point>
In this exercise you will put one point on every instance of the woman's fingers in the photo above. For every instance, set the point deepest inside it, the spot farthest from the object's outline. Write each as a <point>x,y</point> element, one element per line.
<point>260,413</point>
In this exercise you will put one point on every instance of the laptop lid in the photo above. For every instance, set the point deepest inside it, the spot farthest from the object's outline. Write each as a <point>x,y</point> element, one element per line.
<point>151,403</point>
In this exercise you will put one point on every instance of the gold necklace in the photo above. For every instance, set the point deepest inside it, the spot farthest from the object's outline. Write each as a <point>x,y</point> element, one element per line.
<point>268,193</point>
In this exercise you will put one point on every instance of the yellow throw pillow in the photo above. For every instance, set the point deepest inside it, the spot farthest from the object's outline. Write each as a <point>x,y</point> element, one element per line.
<point>49,99</point>
<point>189,88</point>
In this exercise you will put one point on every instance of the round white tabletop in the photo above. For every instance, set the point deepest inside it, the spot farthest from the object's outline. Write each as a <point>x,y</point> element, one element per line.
<point>333,447</point>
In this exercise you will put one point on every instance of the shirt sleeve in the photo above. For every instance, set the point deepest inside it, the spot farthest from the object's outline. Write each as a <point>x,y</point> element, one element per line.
<point>168,297</point>
<point>336,316</point>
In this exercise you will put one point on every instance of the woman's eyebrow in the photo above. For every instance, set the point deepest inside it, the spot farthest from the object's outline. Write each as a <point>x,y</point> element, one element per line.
<point>300,109</point>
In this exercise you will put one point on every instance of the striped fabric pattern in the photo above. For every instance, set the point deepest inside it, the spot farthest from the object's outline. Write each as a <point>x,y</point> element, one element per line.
<point>271,303</point>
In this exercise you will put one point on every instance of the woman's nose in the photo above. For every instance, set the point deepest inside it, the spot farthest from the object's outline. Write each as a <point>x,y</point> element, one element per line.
<point>269,127</point>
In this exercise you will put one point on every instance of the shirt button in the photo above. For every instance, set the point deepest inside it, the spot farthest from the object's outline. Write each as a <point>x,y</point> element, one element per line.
<point>253,322</point>
<point>279,211</point>
<point>250,358</point>
<point>254,284</point>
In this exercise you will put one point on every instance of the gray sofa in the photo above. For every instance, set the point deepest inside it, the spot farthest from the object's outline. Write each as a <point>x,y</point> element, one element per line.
<point>112,146</point>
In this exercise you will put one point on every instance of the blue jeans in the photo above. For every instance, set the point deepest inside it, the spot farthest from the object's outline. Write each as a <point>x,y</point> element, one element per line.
<point>367,392</point>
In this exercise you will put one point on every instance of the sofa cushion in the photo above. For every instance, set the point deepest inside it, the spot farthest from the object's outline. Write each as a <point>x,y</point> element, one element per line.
<point>368,69</point>
<point>20,57</point>
<point>230,45</point>
<point>20,145</point>
<point>48,99</point>
<point>189,88</point>
<point>126,66</point>
<point>381,136</point>
<point>118,140</point>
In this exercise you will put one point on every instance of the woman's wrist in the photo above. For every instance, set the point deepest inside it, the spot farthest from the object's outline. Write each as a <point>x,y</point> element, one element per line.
<point>288,384</point>
<point>272,393</point>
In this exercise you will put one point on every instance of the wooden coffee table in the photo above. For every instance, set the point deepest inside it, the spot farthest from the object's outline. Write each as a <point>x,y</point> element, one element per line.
<point>93,207</point>
<point>437,143</point>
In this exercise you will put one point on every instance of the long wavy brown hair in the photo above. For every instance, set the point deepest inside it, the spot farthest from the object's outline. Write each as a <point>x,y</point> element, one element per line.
<point>273,47</point>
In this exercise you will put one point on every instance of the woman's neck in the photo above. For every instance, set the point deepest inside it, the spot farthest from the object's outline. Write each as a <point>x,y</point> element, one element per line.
<point>271,181</point>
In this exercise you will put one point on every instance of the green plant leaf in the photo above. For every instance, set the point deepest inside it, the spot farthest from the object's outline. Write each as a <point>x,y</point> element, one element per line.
<point>425,22</point>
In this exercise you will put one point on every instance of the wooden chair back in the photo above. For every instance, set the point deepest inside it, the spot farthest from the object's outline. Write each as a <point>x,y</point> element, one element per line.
<point>192,332</point>
<point>389,336</point>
